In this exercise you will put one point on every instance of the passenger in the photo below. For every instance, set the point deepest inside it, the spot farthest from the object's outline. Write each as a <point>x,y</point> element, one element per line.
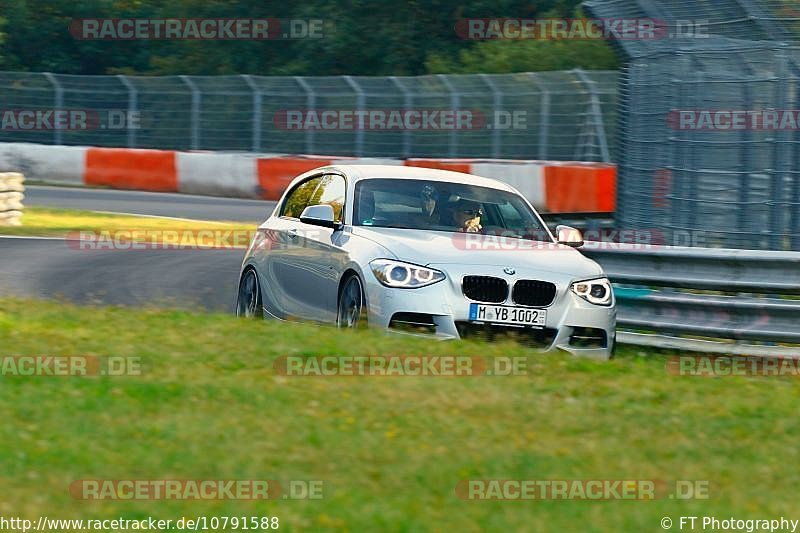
<point>429,208</point>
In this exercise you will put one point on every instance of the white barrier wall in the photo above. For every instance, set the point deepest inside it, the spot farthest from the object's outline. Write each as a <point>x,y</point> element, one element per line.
<point>64,164</point>
<point>551,186</point>
<point>527,178</point>
<point>217,174</point>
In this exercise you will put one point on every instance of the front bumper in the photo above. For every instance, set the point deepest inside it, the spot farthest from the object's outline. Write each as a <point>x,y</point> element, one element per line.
<point>447,309</point>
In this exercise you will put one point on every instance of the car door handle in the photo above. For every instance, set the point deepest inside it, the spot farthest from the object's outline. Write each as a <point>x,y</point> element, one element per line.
<point>292,233</point>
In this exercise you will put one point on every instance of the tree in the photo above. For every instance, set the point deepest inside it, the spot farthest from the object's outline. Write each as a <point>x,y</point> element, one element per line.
<point>527,55</point>
<point>360,37</point>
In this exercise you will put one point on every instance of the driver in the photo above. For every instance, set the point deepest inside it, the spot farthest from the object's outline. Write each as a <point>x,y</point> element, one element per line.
<point>467,216</point>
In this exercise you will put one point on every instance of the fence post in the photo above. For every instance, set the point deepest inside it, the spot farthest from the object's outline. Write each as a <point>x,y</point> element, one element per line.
<point>780,168</point>
<point>596,110</point>
<point>407,103</point>
<point>497,102</point>
<point>132,108</point>
<point>195,135</point>
<point>544,119</point>
<point>256,147</point>
<point>359,151</point>
<point>680,152</point>
<point>455,103</point>
<point>311,104</point>
<point>58,103</point>
<point>795,162</point>
<point>688,186</point>
<point>746,168</point>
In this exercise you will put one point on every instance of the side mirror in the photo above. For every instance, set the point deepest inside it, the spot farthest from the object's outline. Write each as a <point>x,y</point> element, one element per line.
<point>569,236</point>
<point>319,215</point>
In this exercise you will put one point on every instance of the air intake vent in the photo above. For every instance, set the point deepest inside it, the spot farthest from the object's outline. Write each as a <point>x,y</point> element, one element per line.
<point>588,338</point>
<point>414,322</point>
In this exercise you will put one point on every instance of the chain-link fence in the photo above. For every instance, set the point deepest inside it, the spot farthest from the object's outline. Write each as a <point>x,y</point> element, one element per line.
<point>709,140</point>
<point>547,115</point>
<point>688,168</point>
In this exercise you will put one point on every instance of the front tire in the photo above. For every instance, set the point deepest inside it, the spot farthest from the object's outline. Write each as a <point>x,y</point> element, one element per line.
<point>352,312</point>
<point>248,301</point>
<point>613,346</point>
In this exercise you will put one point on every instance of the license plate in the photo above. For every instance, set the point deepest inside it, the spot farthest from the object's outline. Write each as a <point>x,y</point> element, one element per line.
<point>507,314</point>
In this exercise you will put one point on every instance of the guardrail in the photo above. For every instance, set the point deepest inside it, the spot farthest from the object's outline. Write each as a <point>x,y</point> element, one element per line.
<point>12,191</point>
<point>712,300</point>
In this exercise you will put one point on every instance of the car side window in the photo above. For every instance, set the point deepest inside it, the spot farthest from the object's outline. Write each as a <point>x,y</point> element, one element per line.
<point>331,191</point>
<point>299,198</point>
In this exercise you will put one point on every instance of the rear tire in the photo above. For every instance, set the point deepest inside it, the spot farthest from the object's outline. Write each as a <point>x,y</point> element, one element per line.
<point>352,313</point>
<point>248,301</point>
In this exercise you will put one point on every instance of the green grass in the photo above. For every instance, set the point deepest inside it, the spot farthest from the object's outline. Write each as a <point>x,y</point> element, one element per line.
<point>390,450</point>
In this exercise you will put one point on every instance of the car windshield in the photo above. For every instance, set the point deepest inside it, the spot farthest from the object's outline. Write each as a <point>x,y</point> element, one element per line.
<point>444,206</point>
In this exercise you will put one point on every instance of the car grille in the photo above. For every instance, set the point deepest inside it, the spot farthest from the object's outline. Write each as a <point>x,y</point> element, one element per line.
<point>533,292</point>
<point>485,289</point>
<point>533,337</point>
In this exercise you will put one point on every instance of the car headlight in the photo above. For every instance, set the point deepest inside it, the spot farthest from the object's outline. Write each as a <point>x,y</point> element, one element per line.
<point>404,275</point>
<point>596,291</point>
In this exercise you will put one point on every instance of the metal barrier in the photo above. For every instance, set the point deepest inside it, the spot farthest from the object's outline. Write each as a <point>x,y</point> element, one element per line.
<point>11,195</point>
<point>712,300</point>
<point>567,115</point>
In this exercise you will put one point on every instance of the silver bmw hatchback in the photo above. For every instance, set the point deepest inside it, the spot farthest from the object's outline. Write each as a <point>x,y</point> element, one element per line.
<point>425,251</point>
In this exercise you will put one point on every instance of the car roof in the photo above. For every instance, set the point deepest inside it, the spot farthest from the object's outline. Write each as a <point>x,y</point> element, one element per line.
<point>360,172</point>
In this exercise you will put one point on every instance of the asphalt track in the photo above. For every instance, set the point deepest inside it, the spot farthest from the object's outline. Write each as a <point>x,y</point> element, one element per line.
<point>186,278</point>
<point>150,203</point>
